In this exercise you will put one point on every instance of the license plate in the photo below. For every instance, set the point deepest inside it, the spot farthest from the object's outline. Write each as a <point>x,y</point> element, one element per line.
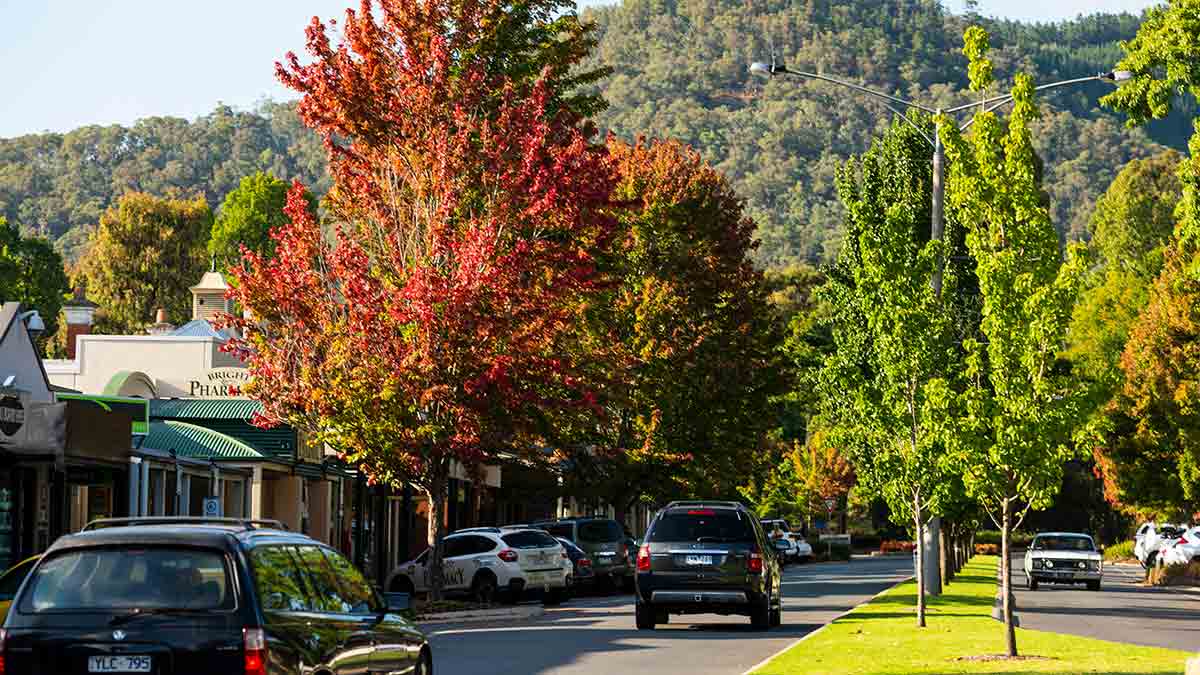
<point>118,664</point>
<point>698,560</point>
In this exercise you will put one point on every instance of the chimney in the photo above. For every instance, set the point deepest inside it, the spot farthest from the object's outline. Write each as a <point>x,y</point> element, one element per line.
<point>160,327</point>
<point>79,313</point>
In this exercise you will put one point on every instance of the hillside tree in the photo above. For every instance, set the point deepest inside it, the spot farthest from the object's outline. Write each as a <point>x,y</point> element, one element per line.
<point>248,215</point>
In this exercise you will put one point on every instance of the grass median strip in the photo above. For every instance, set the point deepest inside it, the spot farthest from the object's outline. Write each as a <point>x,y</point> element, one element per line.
<point>882,637</point>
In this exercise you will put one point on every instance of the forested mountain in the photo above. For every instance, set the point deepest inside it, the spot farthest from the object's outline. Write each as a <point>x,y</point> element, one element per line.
<point>57,185</point>
<point>679,71</point>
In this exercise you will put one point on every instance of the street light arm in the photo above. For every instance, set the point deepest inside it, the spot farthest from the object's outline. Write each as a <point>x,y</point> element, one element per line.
<point>1001,100</point>
<point>851,85</point>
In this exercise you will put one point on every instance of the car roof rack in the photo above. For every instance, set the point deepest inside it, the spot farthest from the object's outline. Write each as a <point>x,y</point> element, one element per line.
<point>246,523</point>
<point>704,502</point>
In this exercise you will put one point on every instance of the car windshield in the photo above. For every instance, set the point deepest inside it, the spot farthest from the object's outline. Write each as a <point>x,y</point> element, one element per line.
<point>600,531</point>
<point>142,579</point>
<point>571,547</point>
<point>702,525</point>
<point>529,539</point>
<point>1063,543</point>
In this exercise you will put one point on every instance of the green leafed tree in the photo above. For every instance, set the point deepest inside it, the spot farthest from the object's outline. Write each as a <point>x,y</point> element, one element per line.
<point>896,339</point>
<point>31,272</point>
<point>248,215</point>
<point>1011,435</point>
<point>145,255</point>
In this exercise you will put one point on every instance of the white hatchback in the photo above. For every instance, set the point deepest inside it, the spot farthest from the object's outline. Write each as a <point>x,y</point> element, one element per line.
<point>485,562</point>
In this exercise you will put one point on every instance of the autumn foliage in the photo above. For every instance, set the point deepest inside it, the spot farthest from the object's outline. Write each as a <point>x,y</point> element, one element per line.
<point>431,324</point>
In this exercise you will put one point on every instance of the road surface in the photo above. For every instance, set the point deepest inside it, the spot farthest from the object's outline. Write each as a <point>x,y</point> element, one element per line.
<point>596,636</point>
<point>1123,610</point>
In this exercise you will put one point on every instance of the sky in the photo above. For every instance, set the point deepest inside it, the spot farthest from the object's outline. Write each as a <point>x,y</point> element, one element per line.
<point>67,63</point>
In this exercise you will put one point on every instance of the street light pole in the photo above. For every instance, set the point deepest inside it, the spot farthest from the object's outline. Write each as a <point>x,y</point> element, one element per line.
<point>930,548</point>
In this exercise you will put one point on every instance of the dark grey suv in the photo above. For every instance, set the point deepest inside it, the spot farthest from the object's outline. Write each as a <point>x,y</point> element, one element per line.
<point>707,558</point>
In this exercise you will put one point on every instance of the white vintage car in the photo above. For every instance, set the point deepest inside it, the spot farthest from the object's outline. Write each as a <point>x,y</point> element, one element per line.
<point>1063,558</point>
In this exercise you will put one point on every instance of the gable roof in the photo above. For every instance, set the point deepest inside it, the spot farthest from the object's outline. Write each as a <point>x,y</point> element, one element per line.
<point>199,328</point>
<point>10,314</point>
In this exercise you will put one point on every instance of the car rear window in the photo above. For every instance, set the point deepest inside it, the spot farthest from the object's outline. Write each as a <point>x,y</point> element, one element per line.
<point>147,578</point>
<point>702,525</point>
<point>529,539</point>
<point>600,531</point>
<point>563,530</point>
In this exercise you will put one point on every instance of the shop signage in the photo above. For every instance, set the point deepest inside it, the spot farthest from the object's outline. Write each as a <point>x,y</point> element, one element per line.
<point>220,383</point>
<point>12,415</point>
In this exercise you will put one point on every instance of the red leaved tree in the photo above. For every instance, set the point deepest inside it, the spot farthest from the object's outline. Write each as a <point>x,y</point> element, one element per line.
<point>433,323</point>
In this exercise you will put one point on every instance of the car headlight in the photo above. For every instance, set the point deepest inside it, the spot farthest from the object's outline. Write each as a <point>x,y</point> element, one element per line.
<point>1048,563</point>
<point>1082,565</point>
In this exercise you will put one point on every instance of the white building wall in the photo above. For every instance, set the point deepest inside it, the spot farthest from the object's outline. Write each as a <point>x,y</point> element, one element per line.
<point>172,362</point>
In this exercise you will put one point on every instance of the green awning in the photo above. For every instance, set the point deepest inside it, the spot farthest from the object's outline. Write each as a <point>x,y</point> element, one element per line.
<point>204,408</point>
<point>190,440</point>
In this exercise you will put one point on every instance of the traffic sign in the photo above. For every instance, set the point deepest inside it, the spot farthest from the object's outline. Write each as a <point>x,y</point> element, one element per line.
<point>830,503</point>
<point>212,507</point>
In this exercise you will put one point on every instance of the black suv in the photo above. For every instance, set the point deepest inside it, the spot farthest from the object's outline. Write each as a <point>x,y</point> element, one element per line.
<point>605,542</point>
<point>707,558</point>
<point>179,596</point>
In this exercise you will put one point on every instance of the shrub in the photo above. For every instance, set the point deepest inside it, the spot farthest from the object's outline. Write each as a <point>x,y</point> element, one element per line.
<point>1119,552</point>
<point>1016,540</point>
<point>893,546</point>
<point>987,549</point>
<point>1175,575</point>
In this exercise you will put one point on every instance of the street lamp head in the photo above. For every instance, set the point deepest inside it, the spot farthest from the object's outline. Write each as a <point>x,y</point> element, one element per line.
<point>1117,75</point>
<point>762,69</point>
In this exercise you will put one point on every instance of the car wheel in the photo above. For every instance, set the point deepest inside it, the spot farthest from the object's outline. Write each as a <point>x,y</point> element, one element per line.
<point>760,615</point>
<point>483,588</point>
<point>777,616</point>
<point>643,616</point>
<point>424,664</point>
<point>1031,583</point>
<point>402,585</point>
<point>555,597</point>
<point>1093,585</point>
<point>1151,559</point>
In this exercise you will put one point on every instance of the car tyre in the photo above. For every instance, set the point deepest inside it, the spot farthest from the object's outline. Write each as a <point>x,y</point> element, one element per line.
<point>777,617</point>
<point>554,597</point>
<point>644,617</point>
<point>483,588</point>
<point>1093,585</point>
<point>760,615</point>
<point>1031,583</point>
<point>424,664</point>
<point>403,584</point>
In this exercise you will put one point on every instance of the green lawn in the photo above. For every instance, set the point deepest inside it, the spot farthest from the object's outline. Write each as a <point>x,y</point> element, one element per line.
<point>882,637</point>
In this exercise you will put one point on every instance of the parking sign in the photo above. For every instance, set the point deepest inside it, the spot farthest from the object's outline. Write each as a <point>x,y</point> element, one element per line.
<point>212,507</point>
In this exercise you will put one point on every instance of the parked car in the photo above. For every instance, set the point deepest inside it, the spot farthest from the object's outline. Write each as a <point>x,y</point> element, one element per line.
<point>779,528</point>
<point>1151,537</point>
<point>1181,550</point>
<point>785,549</point>
<point>490,562</point>
<point>580,562</point>
<point>704,557</point>
<point>195,597</point>
<point>1063,558</point>
<point>604,540</point>
<point>10,583</point>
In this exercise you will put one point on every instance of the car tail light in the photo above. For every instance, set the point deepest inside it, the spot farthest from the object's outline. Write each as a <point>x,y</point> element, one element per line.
<point>3,635</point>
<point>254,647</point>
<point>508,555</point>
<point>756,563</point>
<point>643,561</point>
<point>585,562</point>
<point>1182,541</point>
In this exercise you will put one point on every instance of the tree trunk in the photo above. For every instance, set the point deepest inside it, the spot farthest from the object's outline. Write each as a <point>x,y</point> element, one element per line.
<point>1010,632</point>
<point>436,492</point>
<point>920,526</point>
<point>944,553</point>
